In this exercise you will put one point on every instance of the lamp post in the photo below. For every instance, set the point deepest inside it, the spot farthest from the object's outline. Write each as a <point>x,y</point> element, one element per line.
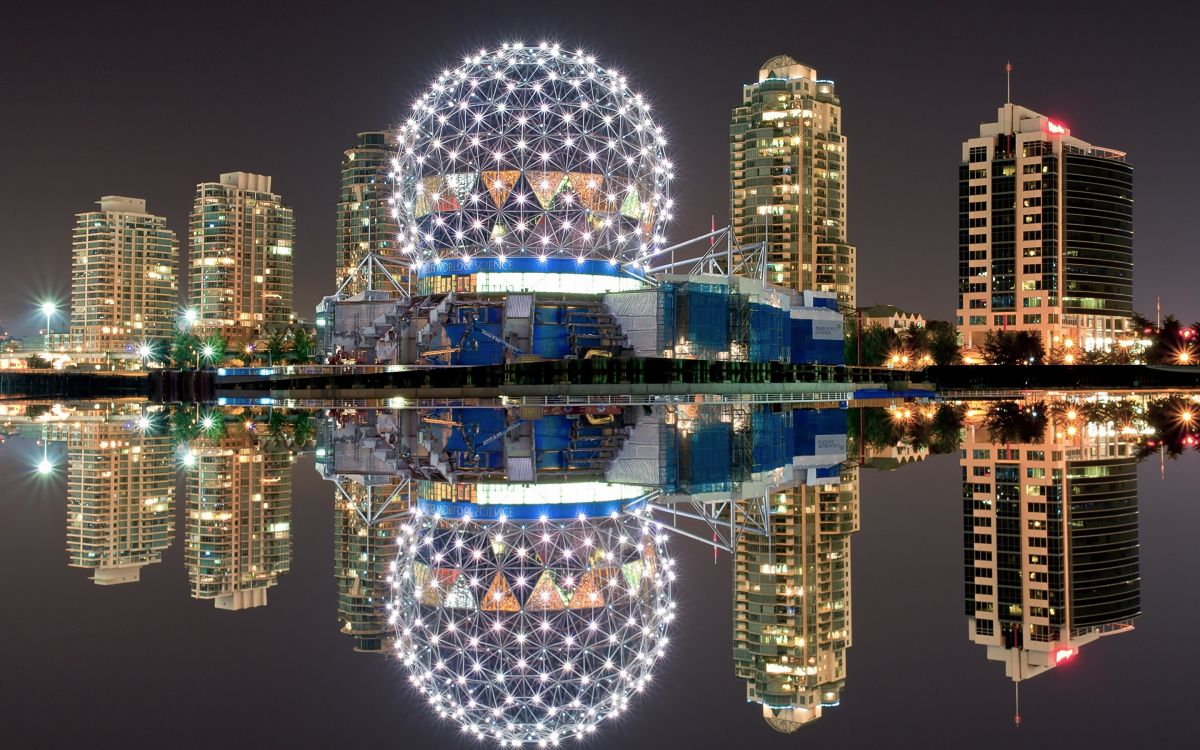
<point>48,309</point>
<point>208,352</point>
<point>144,353</point>
<point>44,466</point>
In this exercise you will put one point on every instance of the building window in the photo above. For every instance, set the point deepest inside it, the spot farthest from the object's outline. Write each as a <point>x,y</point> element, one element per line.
<point>978,153</point>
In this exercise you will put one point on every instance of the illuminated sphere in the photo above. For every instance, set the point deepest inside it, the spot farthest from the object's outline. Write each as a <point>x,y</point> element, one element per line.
<point>530,633</point>
<point>531,152</point>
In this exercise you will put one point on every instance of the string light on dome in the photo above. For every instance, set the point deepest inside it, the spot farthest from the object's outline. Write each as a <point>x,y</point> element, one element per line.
<point>531,138</point>
<point>527,649</point>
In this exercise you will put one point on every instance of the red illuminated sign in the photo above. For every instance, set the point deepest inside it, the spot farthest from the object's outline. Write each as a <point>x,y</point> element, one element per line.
<point>1056,127</point>
<point>1063,654</point>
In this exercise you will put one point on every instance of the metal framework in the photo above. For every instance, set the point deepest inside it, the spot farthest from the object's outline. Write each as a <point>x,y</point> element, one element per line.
<point>373,261</point>
<point>531,151</point>
<point>722,258</point>
<point>530,632</point>
<point>729,520</point>
<point>377,506</point>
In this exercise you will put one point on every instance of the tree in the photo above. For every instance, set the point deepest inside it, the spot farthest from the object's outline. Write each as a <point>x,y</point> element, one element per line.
<point>276,422</point>
<point>943,342</point>
<point>877,343</point>
<point>1166,342</point>
<point>302,345</point>
<point>916,339</point>
<point>183,349</point>
<point>37,362</point>
<point>276,345</point>
<point>303,429</point>
<point>1013,348</point>
<point>183,426</point>
<point>1012,422</point>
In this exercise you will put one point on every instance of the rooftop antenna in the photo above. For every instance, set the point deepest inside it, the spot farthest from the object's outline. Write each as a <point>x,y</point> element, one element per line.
<point>1008,82</point>
<point>1017,707</point>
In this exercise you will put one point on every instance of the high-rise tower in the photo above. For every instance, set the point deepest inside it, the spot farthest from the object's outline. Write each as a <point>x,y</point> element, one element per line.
<point>239,511</point>
<point>1051,560</point>
<point>1045,234</point>
<point>124,279</point>
<point>366,221</point>
<point>120,497</point>
<point>787,167</point>
<point>792,602</point>
<point>240,269</point>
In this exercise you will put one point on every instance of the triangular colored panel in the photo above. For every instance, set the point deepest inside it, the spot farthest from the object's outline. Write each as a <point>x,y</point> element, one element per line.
<point>499,597</point>
<point>460,596</point>
<point>631,207</point>
<point>421,208</point>
<point>420,573</point>
<point>545,185</point>
<point>589,594</point>
<point>444,201</point>
<point>445,577</point>
<point>589,187</point>
<point>461,184</point>
<point>650,559</point>
<point>615,589</point>
<point>545,595</point>
<point>500,184</point>
<point>632,572</point>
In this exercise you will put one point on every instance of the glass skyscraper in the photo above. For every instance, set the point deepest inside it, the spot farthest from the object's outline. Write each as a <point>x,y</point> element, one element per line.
<point>1045,235</point>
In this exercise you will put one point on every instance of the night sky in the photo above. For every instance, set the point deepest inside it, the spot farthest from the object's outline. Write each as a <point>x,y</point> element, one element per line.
<point>148,100</point>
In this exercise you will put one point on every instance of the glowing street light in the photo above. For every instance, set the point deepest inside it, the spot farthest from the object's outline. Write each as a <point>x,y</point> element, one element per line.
<point>190,316</point>
<point>48,309</point>
<point>207,351</point>
<point>144,351</point>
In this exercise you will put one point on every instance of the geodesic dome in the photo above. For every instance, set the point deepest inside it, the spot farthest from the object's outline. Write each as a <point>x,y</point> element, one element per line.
<point>531,632</point>
<point>534,152</point>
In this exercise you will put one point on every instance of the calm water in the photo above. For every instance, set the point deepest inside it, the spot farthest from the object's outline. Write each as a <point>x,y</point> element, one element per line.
<point>226,614</point>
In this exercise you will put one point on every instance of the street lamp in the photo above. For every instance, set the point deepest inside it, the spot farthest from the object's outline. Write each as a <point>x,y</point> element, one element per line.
<point>48,309</point>
<point>190,316</point>
<point>45,466</point>
<point>207,351</point>
<point>144,352</point>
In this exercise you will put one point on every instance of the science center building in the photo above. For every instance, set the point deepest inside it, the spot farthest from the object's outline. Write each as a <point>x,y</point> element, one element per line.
<point>532,189</point>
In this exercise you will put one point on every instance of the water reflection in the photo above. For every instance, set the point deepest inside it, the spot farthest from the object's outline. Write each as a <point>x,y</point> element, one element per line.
<point>518,565</point>
<point>120,494</point>
<point>239,509</point>
<point>1050,532</point>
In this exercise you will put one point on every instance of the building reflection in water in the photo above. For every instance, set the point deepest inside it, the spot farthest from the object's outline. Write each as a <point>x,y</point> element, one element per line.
<point>239,509</point>
<point>358,452</point>
<point>792,611</point>
<point>1050,536</point>
<point>120,492</point>
<point>532,589</point>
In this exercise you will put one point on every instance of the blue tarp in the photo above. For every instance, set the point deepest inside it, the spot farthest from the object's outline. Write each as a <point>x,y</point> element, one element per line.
<point>772,436</point>
<point>817,340</point>
<point>809,424</point>
<point>770,334</point>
